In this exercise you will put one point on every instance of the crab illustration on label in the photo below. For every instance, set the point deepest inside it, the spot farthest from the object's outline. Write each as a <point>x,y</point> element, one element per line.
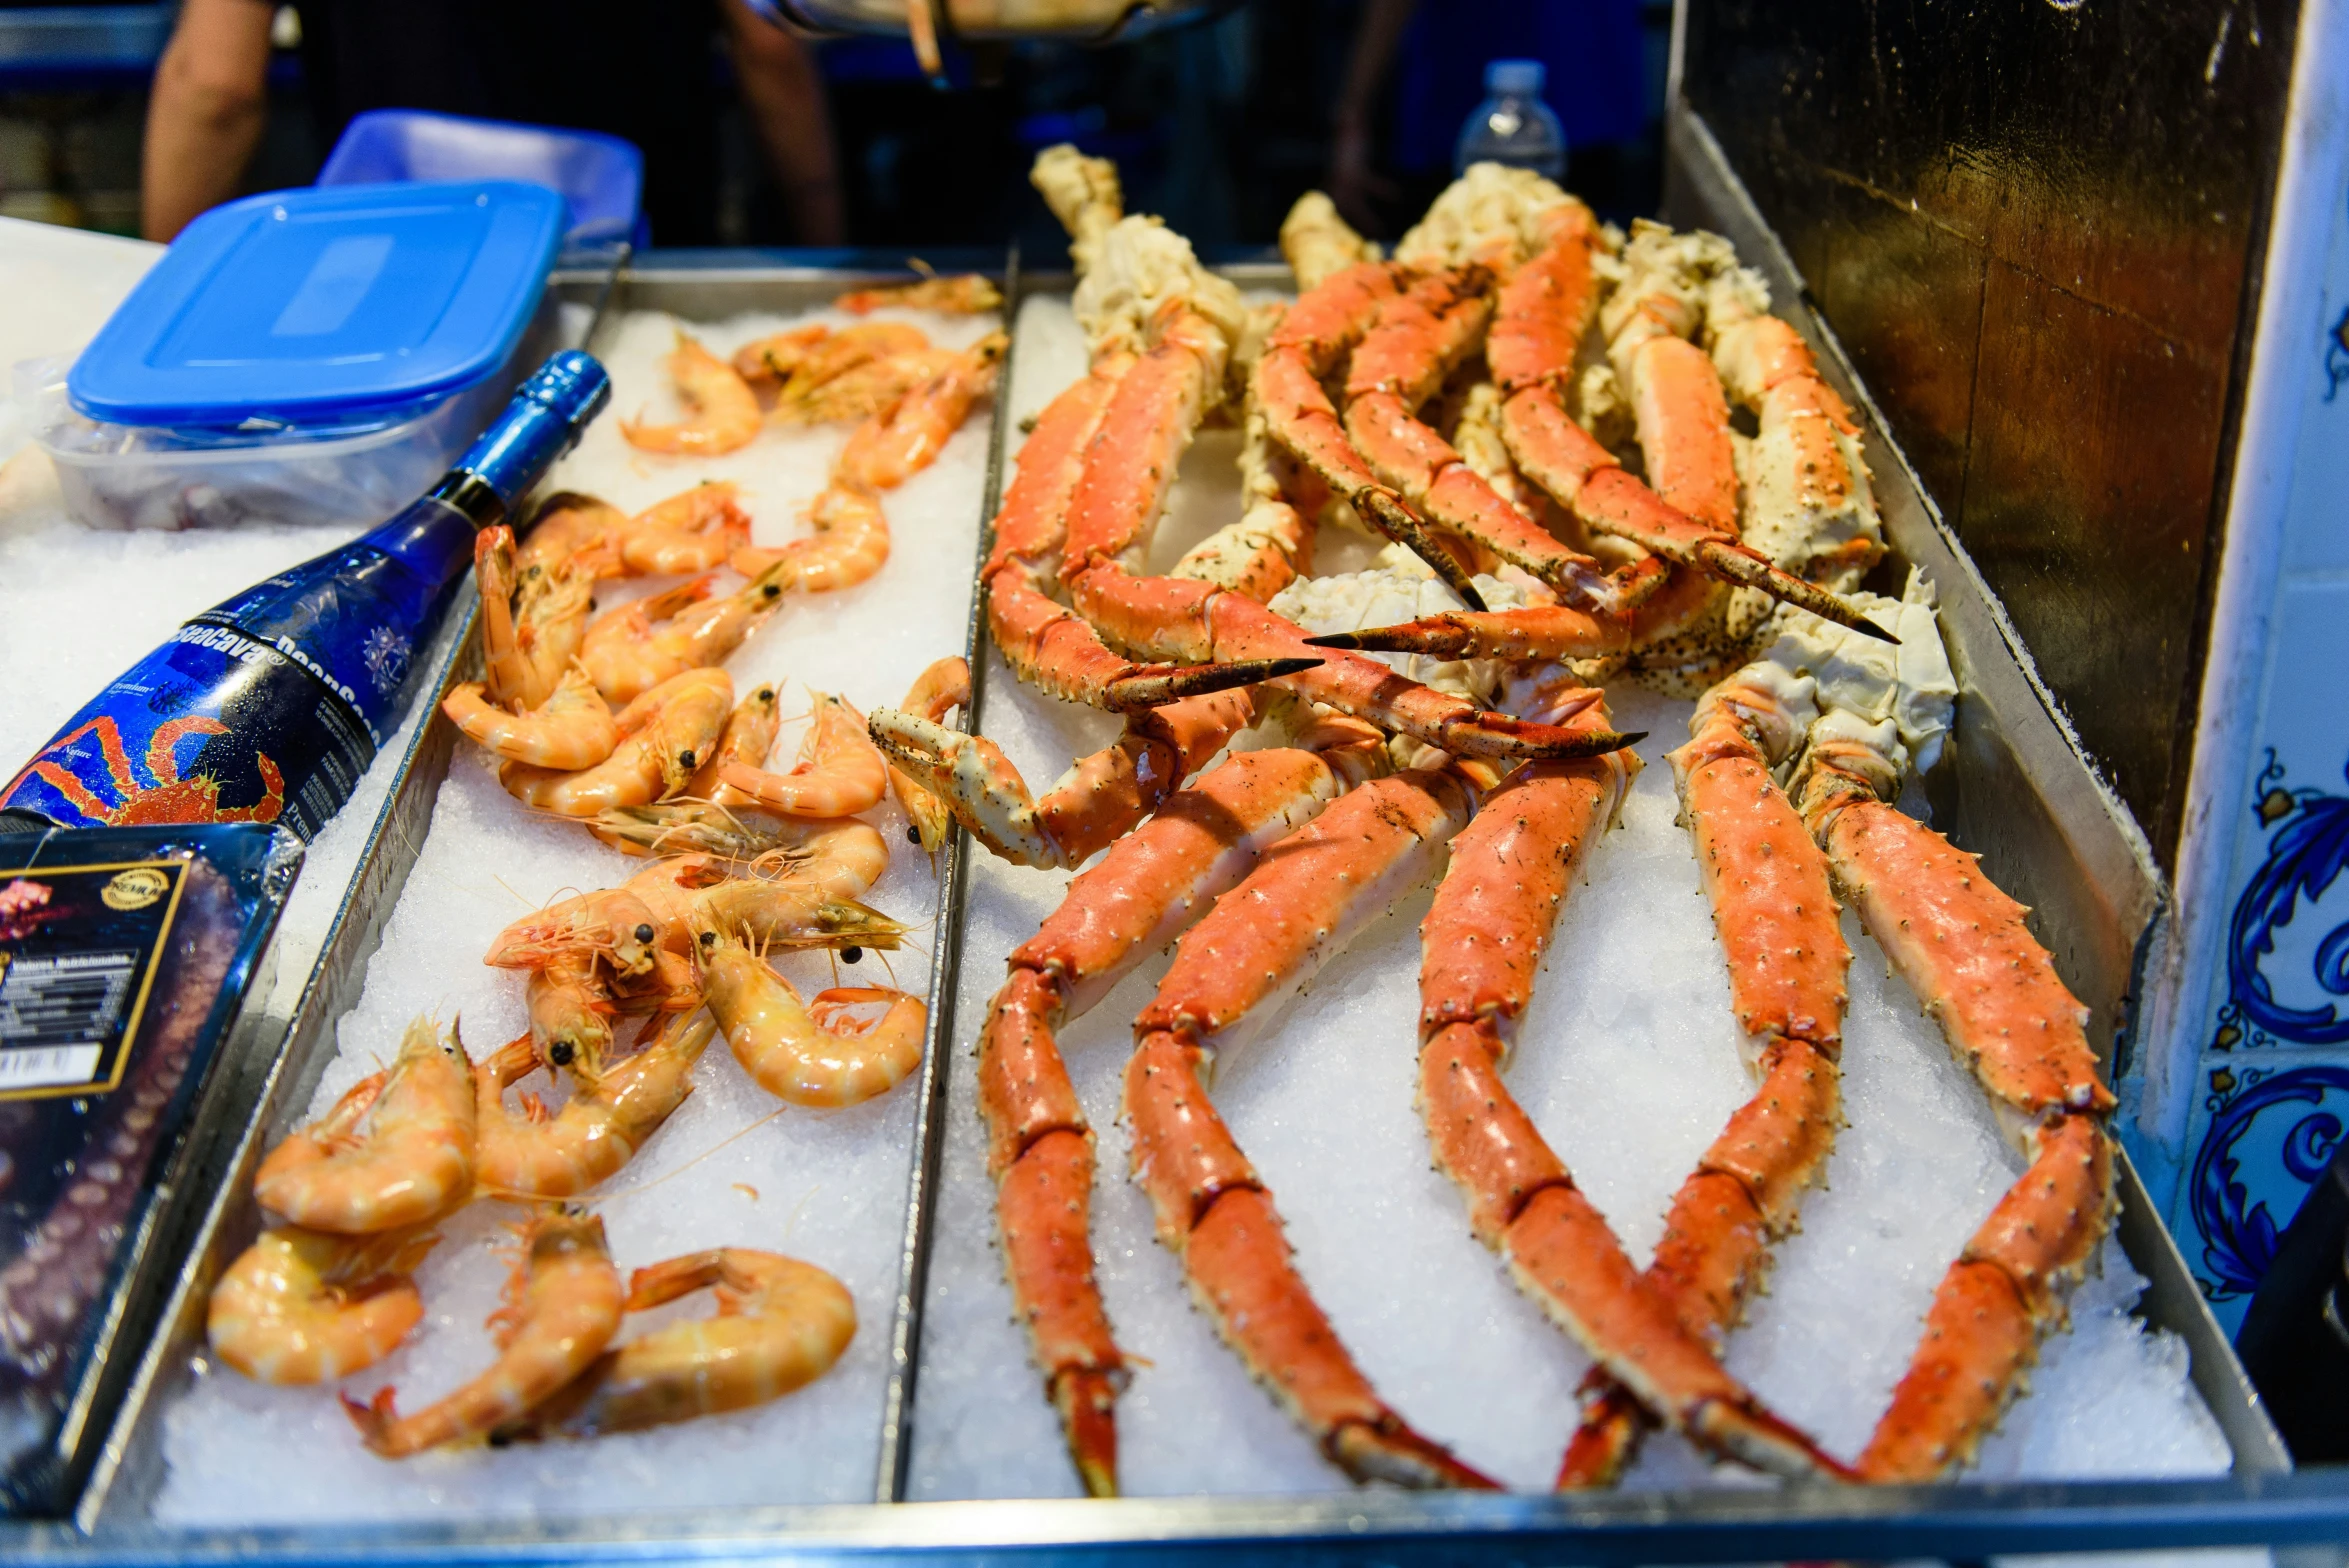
<point>169,798</point>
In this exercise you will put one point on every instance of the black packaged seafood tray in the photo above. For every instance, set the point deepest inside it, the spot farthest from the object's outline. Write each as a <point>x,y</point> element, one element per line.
<point>2014,788</point>
<point>126,956</point>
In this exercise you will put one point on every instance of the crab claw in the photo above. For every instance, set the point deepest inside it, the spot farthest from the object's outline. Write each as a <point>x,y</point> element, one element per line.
<point>1498,736</point>
<point>1386,513</point>
<point>1739,564</point>
<point>1156,688</point>
<point>1544,631</point>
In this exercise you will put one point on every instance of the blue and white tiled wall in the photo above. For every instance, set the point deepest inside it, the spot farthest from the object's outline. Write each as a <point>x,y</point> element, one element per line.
<point>2261,1042</point>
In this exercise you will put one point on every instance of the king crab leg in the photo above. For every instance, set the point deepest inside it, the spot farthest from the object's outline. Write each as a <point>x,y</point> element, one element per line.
<point>1544,309</point>
<point>1296,909</point>
<point>1483,940</point>
<point>1151,885</point>
<point>1767,883</point>
<point>1319,329</point>
<point>1961,945</point>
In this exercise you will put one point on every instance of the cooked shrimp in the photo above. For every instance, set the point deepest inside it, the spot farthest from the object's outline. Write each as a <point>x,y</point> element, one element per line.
<point>839,772</point>
<point>968,294</point>
<point>598,1130</point>
<point>569,1000</point>
<point>570,526</point>
<point>301,1306</point>
<point>506,672</point>
<point>397,1150</point>
<point>664,736</point>
<point>807,1053</point>
<point>774,358</point>
<point>850,544</point>
<point>572,729</point>
<point>550,614</point>
<point>780,912</point>
<point>614,649</point>
<point>687,826</point>
<point>780,1325</point>
<point>613,925</point>
<point>871,388</point>
<point>692,531</point>
<point>841,858</point>
<point>843,351</point>
<point>564,1305</point>
<point>936,692</point>
<point>891,448</point>
<point>724,413</point>
<point>627,656</point>
<point>748,737</point>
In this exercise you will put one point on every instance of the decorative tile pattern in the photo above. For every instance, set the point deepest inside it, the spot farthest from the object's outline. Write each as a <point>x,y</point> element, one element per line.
<point>2262,1133</point>
<point>2272,1084</point>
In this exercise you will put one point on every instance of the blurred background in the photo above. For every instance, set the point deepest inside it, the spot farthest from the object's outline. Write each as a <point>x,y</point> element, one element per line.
<point>756,139</point>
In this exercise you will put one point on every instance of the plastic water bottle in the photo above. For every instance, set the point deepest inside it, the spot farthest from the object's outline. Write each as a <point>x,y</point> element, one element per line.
<point>294,684</point>
<point>1513,125</point>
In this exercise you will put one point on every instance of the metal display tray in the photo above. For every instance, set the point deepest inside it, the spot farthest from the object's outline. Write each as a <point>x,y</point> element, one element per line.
<point>2016,788</point>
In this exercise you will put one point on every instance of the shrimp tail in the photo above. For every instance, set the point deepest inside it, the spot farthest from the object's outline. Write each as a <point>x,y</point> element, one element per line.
<point>373,1418</point>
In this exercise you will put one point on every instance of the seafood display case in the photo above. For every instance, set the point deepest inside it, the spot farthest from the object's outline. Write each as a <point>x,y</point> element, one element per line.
<point>2014,788</point>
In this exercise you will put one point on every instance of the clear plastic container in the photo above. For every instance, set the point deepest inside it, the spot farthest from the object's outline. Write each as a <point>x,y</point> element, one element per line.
<point>1513,125</point>
<point>353,473</point>
<point>305,357</point>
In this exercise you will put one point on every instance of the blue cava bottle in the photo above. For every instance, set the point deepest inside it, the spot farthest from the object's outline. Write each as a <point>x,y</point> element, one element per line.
<point>268,706</point>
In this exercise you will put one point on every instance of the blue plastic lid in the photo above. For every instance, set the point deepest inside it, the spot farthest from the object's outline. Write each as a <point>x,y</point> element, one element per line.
<point>319,307</point>
<point>600,177</point>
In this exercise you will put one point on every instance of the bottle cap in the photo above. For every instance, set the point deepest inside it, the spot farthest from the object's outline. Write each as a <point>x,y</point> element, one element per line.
<point>1521,77</point>
<point>541,424</point>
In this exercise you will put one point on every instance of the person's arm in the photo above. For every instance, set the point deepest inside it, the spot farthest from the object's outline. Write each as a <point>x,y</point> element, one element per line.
<point>205,113</point>
<point>1353,183</point>
<point>784,93</point>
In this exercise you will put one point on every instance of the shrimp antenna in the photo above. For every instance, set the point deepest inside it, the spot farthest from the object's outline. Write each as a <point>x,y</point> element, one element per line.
<point>690,1163</point>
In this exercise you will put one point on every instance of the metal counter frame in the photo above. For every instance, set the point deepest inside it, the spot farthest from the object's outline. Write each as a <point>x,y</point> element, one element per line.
<point>2016,789</point>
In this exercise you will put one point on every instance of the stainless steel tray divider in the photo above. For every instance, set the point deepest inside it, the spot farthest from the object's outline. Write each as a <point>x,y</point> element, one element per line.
<point>905,1343</point>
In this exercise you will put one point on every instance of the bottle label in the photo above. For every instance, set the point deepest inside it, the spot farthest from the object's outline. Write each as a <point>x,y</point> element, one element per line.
<point>214,726</point>
<point>79,947</point>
